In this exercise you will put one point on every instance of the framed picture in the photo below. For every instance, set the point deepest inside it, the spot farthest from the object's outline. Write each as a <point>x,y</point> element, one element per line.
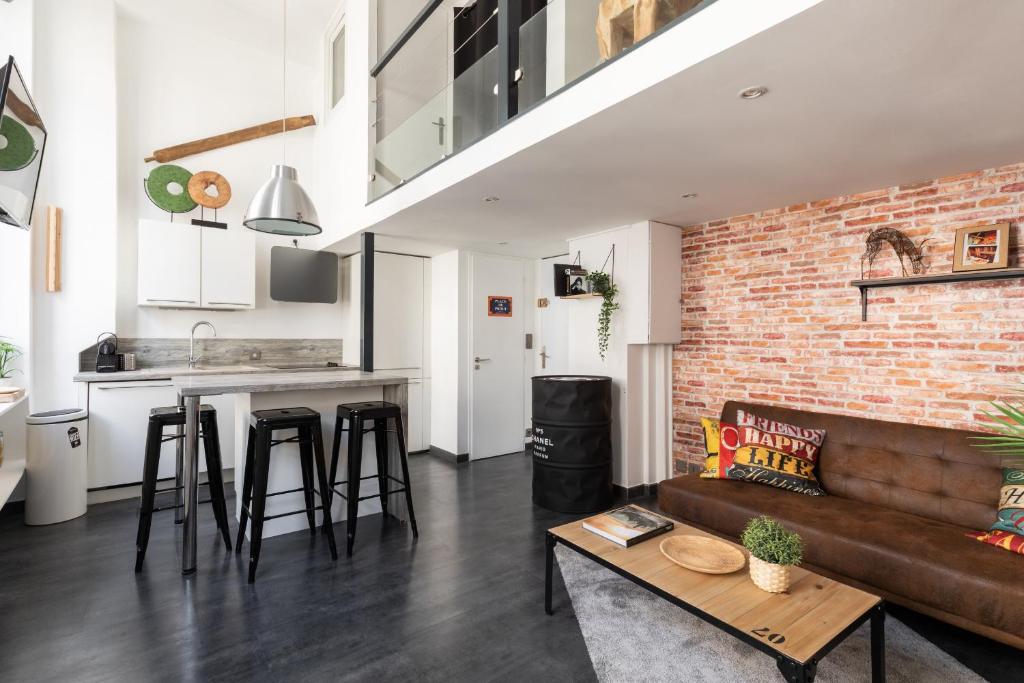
<point>576,281</point>
<point>985,247</point>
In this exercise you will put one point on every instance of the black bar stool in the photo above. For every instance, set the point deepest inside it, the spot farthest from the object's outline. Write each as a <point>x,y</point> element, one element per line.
<point>378,413</point>
<point>257,468</point>
<point>159,418</point>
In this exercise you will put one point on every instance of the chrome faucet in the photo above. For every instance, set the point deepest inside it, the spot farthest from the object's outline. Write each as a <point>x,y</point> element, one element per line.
<point>193,359</point>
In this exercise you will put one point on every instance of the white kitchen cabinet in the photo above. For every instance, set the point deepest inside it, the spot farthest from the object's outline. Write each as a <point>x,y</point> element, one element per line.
<point>397,311</point>
<point>169,264</point>
<point>228,268</point>
<point>651,284</point>
<point>119,419</point>
<point>187,266</point>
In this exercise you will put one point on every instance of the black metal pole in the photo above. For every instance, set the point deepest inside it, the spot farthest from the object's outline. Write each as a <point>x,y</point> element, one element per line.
<point>366,320</point>
<point>510,14</point>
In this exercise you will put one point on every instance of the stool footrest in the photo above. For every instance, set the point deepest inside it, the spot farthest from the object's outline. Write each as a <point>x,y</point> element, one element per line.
<point>178,507</point>
<point>298,490</point>
<point>172,489</point>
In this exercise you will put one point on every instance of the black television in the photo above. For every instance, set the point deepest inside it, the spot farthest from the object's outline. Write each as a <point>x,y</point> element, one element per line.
<point>22,141</point>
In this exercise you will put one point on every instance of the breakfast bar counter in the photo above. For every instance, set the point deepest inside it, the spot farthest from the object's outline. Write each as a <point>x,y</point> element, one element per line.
<point>320,390</point>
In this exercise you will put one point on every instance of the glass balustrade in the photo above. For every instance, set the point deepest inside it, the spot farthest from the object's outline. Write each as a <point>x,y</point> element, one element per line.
<point>440,88</point>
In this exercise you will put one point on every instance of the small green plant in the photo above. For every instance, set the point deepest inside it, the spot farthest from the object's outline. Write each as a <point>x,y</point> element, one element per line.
<point>8,354</point>
<point>601,283</point>
<point>1008,421</point>
<point>769,541</point>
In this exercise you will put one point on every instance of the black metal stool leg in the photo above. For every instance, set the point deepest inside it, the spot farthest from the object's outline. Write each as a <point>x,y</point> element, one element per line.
<point>154,436</point>
<point>403,455</point>
<point>250,463</point>
<point>380,433</point>
<point>339,427</point>
<point>306,462</point>
<point>355,466</point>
<point>325,501</point>
<point>259,497</point>
<point>215,477</point>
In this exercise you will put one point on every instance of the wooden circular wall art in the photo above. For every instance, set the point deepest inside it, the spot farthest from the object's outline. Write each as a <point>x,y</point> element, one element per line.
<point>166,188</point>
<point>199,185</point>
<point>703,554</point>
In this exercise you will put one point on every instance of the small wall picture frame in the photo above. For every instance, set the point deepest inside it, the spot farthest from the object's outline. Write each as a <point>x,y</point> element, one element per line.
<point>984,247</point>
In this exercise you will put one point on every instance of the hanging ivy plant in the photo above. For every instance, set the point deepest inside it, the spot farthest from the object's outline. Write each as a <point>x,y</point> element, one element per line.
<point>602,284</point>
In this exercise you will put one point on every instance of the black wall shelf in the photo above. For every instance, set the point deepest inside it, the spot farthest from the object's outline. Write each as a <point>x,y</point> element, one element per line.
<point>972,276</point>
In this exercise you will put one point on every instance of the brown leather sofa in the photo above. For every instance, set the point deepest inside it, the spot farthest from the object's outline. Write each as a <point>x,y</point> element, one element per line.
<point>900,499</point>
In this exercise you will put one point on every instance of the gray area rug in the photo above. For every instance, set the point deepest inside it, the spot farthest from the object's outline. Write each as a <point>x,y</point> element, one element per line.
<point>632,635</point>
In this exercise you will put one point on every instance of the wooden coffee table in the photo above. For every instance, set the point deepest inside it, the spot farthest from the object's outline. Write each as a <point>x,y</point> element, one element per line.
<point>797,628</point>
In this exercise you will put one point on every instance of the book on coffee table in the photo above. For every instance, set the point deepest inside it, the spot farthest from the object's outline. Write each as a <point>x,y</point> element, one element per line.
<point>627,525</point>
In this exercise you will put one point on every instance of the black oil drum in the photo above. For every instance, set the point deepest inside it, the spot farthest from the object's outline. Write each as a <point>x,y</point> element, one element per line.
<point>572,443</point>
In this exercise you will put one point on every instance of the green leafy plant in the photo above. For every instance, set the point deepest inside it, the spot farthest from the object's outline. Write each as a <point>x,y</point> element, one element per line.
<point>1008,422</point>
<point>601,283</point>
<point>769,541</point>
<point>8,354</point>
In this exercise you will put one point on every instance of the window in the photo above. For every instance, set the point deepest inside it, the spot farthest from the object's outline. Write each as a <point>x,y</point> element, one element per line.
<point>337,66</point>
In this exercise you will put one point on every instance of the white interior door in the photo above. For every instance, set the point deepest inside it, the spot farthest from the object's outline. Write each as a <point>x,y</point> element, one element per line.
<point>552,339</point>
<point>497,356</point>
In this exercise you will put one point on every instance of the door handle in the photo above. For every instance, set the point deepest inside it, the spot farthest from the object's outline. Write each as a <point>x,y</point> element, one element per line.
<point>478,359</point>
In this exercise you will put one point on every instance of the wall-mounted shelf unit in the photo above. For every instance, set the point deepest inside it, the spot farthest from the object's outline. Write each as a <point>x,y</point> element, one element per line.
<point>581,296</point>
<point>972,276</point>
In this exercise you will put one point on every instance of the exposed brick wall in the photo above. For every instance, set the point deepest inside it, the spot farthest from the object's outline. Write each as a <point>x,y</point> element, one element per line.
<point>769,315</point>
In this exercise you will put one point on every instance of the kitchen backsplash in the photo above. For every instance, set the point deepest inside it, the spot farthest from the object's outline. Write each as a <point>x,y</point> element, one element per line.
<point>160,353</point>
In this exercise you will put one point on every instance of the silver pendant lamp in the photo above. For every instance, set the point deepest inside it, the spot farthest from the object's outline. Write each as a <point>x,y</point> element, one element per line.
<point>281,206</point>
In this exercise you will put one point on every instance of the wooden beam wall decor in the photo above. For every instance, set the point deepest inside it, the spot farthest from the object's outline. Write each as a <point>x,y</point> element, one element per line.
<point>168,154</point>
<point>53,248</point>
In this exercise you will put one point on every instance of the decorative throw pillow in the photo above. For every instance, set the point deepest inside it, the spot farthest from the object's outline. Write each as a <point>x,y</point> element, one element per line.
<point>1011,502</point>
<point>774,453</point>
<point>712,441</point>
<point>1001,539</point>
<point>1008,531</point>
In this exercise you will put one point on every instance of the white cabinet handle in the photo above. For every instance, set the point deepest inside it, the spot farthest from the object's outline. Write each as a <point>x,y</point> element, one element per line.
<point>227,303</point>
<point>169,301</point>
<point>135,386</point>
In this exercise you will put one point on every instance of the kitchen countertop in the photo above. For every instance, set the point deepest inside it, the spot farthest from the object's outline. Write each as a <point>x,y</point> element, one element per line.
<point>175,371</point>
<point>256,382</point>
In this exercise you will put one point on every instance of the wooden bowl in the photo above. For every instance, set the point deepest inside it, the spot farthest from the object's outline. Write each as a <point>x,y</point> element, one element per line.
<point>703,554</point>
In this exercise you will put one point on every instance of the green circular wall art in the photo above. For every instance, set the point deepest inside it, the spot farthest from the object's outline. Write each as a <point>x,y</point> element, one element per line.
<point>159,190</point>
<point>17,148</point>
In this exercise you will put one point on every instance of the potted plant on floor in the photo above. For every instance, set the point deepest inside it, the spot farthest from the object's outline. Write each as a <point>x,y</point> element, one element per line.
<point>774,550</point>
<point>8,354</point>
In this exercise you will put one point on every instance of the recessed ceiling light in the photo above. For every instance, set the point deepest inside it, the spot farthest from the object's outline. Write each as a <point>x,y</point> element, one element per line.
<point>502,244</point>
<point>689,195</point>
<point>492,198</point>
<point>753,93</point>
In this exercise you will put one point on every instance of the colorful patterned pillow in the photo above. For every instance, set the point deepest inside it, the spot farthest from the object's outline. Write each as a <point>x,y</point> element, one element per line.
<point>1011,502</point>
<point>1001,539</point>
<point>712,442</point>
<point>1008,531</point>
<point>763,451</point>
<point>777,454</point>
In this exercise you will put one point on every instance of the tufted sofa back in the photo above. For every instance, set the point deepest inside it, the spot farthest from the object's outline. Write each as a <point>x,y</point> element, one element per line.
<point>927,471</point>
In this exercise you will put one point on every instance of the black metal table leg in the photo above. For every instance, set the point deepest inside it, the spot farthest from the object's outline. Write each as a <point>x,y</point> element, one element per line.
<point>878,644</point>
<point>795,672</point>
<point>549,559</point>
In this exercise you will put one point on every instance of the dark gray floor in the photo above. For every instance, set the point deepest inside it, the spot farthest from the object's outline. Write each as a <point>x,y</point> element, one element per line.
<point>464,603</point>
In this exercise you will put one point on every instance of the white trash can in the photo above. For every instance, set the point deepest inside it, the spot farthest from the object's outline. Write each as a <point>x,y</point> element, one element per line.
<point>55,469</point>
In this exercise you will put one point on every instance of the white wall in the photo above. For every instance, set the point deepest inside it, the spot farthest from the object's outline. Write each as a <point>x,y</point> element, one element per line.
<point>164,99</point>
<point>640,372</point>
<point>449,333</point>
<point>74,88</point>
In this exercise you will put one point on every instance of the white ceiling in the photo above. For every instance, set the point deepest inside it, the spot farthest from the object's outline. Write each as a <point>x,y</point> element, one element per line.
<point>863,95</point>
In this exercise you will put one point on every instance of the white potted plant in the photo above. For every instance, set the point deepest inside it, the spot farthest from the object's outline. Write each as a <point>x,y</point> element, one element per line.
<point>774,550</point>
